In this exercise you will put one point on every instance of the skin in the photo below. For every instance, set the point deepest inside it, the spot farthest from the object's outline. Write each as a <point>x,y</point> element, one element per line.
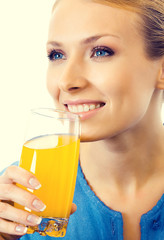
<point>122,157</point>
<point>121,154</point>
<point>113,80</point>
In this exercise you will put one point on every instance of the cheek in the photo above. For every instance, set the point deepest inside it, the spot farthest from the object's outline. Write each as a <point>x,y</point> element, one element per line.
<point>110,79</point>
<point>119,79</point>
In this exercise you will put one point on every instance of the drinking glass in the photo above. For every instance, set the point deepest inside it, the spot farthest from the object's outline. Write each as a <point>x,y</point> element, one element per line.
<point>51,152</point>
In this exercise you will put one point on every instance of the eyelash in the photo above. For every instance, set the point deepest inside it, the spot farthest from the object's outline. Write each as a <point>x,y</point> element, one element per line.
<point>52,53</point>
<point>108,52</point>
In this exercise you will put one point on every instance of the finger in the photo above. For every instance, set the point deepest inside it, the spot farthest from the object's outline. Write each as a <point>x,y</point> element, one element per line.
<point>4,236</point>
<point>74,208</point>
<point>12,228</point>
<point>13,193</point>
<point>8,212</point>
<point>9,202</point>
<point>14,174</point>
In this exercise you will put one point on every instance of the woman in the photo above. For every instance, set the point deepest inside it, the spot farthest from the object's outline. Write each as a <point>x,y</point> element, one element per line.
<point>107,65</point>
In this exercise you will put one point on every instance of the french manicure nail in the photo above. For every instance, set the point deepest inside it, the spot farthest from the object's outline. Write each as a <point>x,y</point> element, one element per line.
<point>34,219</point>
<point>39,205</point>
<point>34,183</point>
<point>21,229</point>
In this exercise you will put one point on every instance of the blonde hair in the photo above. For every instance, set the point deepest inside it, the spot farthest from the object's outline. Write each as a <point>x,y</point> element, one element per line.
<point>152,15</point>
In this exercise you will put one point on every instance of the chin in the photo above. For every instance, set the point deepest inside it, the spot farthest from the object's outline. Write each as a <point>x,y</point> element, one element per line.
<point>100,135</point>
<point>91,137</point>
<point>88,139</point>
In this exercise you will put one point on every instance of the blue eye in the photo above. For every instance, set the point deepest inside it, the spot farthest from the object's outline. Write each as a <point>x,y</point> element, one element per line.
<point>58,56</point>
<point>102,52</point>
<point>55,55</point>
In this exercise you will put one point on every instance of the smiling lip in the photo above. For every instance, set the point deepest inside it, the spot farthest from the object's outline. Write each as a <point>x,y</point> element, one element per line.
<point>84,108</point>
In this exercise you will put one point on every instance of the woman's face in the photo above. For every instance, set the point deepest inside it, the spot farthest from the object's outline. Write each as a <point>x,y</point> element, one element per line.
<point>98,68</point>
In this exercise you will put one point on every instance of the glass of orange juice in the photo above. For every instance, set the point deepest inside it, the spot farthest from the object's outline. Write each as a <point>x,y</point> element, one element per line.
<point>51,152</point>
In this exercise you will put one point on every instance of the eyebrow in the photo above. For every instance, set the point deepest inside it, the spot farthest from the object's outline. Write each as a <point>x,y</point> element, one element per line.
<point>85,41</point>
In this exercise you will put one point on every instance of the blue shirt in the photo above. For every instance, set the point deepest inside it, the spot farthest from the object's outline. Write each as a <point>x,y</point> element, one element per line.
<point>93,220</point>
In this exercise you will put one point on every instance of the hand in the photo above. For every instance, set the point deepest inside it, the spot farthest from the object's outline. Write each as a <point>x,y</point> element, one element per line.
<point>74,208</point>
<point>13,221</point>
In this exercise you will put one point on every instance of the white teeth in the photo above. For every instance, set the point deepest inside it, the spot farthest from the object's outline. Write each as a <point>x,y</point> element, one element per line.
<point>86,108</point>
<point>83,108</point>
<point>92,106</point>
<point>98,105</point>
<point>74,109</point>
<point>80,108</point>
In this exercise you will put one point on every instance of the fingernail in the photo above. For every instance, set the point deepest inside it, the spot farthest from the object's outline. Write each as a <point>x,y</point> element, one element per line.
<point>39,205</point>
<point>34,183</point>
<point>21,229</point>
<point>34,219</point>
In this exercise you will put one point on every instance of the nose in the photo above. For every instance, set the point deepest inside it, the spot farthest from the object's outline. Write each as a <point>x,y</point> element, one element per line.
<point>73,77</point>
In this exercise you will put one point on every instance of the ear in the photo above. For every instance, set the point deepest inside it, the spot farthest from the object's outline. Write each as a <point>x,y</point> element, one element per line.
<point>160,80</point>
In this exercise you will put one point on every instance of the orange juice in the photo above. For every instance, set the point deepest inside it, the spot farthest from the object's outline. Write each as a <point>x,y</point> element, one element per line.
<point>53,160</point>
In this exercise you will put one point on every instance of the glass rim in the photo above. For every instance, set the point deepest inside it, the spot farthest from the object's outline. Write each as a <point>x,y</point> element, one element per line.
<point>64,114</point>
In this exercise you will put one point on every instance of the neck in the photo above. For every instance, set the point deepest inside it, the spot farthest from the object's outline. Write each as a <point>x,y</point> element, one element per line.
<point>127,160</point>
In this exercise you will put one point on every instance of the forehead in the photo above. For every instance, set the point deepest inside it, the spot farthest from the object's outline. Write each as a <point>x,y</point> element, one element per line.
<point>77,18</point>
